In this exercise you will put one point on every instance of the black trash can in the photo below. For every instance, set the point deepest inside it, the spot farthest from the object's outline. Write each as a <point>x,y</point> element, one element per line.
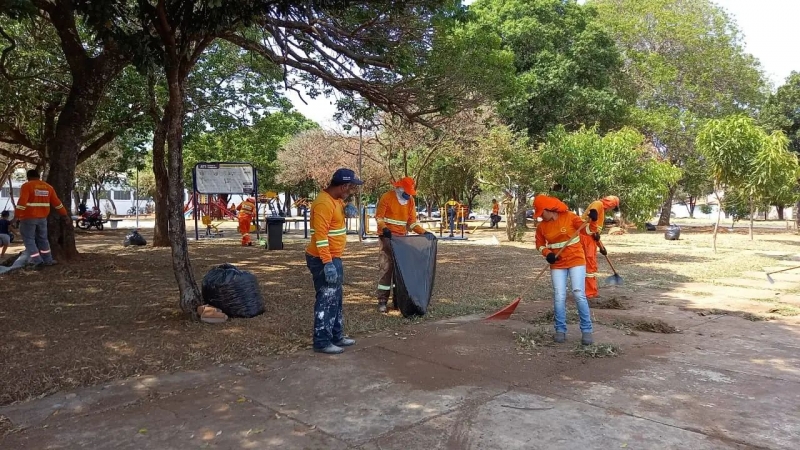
<point>275,232</point>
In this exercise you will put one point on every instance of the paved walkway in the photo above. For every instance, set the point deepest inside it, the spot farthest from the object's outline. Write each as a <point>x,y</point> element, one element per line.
<point>723,382</point>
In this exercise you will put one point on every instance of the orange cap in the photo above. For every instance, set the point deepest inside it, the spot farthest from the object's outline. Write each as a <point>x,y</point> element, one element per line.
<point>545,202</point>
<point>610,202</point>
<point>408,185</point>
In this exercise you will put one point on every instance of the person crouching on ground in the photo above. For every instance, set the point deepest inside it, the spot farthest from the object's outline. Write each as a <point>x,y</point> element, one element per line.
<point>5,232</point>
<point>396,214</point>
<point>323,258</point>
<point>495,216</point>
<point>553,234</point>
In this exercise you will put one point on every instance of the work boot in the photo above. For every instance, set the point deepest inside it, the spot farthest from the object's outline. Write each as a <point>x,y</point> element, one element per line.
<point>34,267</point>
<point>382,306</point>
<point>560,338</point>
<point>330,350</point>
<point>586,338</point>
<point>51,263</point>
<point>345,342</point>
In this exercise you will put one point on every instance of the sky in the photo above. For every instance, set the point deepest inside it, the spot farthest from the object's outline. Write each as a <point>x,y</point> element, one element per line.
<point>770,34</point>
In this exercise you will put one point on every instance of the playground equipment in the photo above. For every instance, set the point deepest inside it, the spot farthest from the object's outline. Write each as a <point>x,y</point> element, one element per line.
<point>454,214</point>
<point>271,200</point>
<point>208,205</point>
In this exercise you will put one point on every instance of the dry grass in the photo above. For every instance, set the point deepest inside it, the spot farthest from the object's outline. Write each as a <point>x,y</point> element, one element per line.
<point>649,326</point>
<point>785,311</point>
<point>608,303</point>
<point>533,339</point>
<point>596,351</point>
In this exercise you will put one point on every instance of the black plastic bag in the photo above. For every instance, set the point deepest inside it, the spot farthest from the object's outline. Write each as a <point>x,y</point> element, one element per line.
<point>414,273</point>
<point>233,291</point>
<point>649,227</point>
<point>673,233</point>
<point>134,238</point>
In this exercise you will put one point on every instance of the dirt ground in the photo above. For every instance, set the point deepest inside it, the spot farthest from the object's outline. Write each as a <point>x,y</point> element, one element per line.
<point>113,314</point>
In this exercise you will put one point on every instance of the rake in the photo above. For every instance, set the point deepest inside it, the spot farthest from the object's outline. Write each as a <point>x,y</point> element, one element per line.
<point>615,279</point>
<point>507,311</point>
<point>769,278</point>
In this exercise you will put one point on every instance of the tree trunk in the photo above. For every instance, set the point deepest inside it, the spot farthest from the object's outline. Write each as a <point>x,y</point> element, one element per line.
<point>666,208</point>
<point>719,217</point>
<point>780,210</point>
<point>190,297</point>
<point>752,215</point>
<point>796,213</point>
<point>160,200</point>
<point>692,204</point>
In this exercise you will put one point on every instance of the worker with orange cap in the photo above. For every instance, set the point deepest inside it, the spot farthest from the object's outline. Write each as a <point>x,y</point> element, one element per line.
<point>596,214</point>
<point>558,231</point>
<point>396,213</point>
<point>247,210</point>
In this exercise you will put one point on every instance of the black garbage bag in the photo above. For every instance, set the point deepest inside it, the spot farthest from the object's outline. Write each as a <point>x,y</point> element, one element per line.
<point>233,291</point>
<point>673,233</point>
<point>414,273</point>
<point>649,227</point>
<point>134,238</point>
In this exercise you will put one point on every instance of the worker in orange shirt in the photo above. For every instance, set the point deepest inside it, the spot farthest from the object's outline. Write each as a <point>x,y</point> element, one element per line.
<point>247,210</point>
<point>595,214</point>
<point>396,213</point>
<point>324,261</point>
<point>553,234</point>
<point>495,216</point>
<point>35,199</point>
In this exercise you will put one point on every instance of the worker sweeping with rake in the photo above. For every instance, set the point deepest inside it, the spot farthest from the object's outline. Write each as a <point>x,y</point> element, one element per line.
<point>557,237</point>
<point>595,214</point>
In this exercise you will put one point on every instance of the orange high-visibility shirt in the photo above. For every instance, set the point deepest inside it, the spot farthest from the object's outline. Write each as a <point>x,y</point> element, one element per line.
<point>396,217</point>
<point>35,199</point>
<point>552,236</point>
<point>328,229</point>
<point>595,226</point>
<point>246,209</point>
<point>496,208</point>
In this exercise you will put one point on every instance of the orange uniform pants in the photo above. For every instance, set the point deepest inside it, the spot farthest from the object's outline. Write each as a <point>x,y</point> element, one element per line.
<point>590,249</point>
<point>244,224</point>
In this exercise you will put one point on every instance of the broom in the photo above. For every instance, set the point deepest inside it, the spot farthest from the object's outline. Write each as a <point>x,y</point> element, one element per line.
<point>506,312</point>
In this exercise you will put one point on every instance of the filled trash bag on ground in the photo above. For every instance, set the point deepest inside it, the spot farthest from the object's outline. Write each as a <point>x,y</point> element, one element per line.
<point>649,227</point>
<point>414,273</point>
<point>673,233</point>
<point>134,238</point>
<point>233,291</point>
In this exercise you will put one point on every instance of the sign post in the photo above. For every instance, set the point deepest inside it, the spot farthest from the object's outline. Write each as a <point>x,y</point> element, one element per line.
<point>232,178</point>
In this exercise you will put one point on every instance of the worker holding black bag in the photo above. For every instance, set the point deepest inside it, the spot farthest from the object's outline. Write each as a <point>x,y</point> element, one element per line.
<point>396,214</point>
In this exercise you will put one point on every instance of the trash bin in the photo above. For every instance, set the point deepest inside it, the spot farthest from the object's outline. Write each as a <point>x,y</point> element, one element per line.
<point>275,232</point>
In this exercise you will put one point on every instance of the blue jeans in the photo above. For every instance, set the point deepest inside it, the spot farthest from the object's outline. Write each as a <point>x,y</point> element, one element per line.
<point>577,276</point>
<point>34,236</point>
<point>328,320</point>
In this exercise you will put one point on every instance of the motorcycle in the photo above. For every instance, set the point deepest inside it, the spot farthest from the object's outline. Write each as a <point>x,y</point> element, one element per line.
<point>90,219</point>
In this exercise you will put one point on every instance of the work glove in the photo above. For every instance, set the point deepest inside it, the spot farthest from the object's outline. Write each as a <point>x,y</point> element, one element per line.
<point>596,237</point>
<point>593,215</point>
<point>331,274</point>
<point>603,251</point>
<point>551,258</point>
<point>386,233</point>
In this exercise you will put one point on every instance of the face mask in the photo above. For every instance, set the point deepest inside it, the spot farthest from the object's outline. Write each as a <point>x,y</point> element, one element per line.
<point>405,196</point>
<point>402,197</point>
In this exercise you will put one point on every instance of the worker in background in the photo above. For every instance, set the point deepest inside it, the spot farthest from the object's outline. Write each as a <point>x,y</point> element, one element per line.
<point>595,214</point>
<point>557,232</point>
<point>35,199</point>
<point>323,258</point>
<point>451,209</point>
<point>396,213</point>
<point>495,216</point>
<point>247,210</point>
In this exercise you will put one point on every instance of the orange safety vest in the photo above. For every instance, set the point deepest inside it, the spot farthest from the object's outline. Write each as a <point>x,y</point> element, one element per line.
<point>396,217</point>
<point>328,229</point>
<point>552,236</point>
<point>35,199</point>
<point>246,208</point>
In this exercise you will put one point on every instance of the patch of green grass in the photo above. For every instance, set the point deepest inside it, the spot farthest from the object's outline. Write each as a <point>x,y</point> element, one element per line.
<point>532,339</point>
<point>596,351</point>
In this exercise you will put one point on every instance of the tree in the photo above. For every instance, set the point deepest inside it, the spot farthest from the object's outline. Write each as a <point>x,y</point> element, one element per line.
<point>683,61</point>
<point>106,167</point>
<point>564,65</point>
<point>781,112</point>
<point>588,166</point>
<point>745,159</point>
